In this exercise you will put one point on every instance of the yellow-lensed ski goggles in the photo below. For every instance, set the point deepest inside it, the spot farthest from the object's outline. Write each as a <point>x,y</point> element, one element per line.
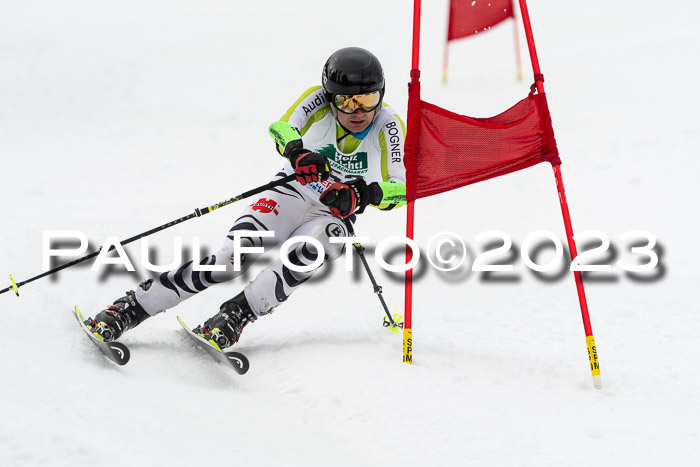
<point>364,102</point>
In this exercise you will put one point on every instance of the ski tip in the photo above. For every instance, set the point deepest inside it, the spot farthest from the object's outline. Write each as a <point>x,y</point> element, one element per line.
<point>183,323</point>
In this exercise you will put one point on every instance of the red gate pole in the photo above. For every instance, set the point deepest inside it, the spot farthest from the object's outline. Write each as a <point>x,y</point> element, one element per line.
<point>411,150</point>
<point>539,82</point>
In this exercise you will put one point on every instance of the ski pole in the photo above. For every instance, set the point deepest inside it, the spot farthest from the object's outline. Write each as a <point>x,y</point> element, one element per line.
<point>196,213</point>
<point>377,288</point>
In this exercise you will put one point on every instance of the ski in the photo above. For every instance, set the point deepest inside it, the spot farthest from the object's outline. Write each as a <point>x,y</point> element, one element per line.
<point>115,351</point>
<point>235,360</point>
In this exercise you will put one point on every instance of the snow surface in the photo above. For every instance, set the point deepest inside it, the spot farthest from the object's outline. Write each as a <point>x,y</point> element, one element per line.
<point>119,116</point>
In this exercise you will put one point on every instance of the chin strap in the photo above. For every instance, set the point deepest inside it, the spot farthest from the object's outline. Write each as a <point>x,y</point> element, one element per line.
<point>345,135</point>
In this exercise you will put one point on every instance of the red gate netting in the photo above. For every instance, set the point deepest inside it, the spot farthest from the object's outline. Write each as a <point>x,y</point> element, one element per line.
<point>454,150</point>
<point>469,17</point>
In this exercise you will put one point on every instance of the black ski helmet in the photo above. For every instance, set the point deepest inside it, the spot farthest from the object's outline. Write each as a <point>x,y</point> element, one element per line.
<point>352,70</point>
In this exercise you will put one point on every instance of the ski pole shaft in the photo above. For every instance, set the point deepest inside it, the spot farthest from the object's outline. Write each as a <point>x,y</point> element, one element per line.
<point>377,287</point>
<point>197,213</point>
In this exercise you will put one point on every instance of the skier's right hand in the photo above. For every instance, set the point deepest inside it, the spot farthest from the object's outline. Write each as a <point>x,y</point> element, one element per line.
<point>309,166</point>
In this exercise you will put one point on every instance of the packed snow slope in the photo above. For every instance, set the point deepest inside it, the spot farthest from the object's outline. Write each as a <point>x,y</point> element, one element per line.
<point>118,117</point>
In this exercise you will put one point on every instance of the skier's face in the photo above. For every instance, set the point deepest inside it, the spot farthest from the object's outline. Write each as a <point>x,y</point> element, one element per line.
<point>356,122</point>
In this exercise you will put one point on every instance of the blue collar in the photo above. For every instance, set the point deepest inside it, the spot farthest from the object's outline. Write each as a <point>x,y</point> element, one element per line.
<point>361,135</point>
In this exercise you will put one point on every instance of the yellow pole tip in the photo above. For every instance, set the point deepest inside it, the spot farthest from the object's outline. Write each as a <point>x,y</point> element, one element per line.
<point>408,346</point>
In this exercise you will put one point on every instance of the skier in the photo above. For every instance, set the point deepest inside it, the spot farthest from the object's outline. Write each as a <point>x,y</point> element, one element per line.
<point>346,148</point>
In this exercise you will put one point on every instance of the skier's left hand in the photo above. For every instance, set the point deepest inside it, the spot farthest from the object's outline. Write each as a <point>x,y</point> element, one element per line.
<point>344,199</point>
